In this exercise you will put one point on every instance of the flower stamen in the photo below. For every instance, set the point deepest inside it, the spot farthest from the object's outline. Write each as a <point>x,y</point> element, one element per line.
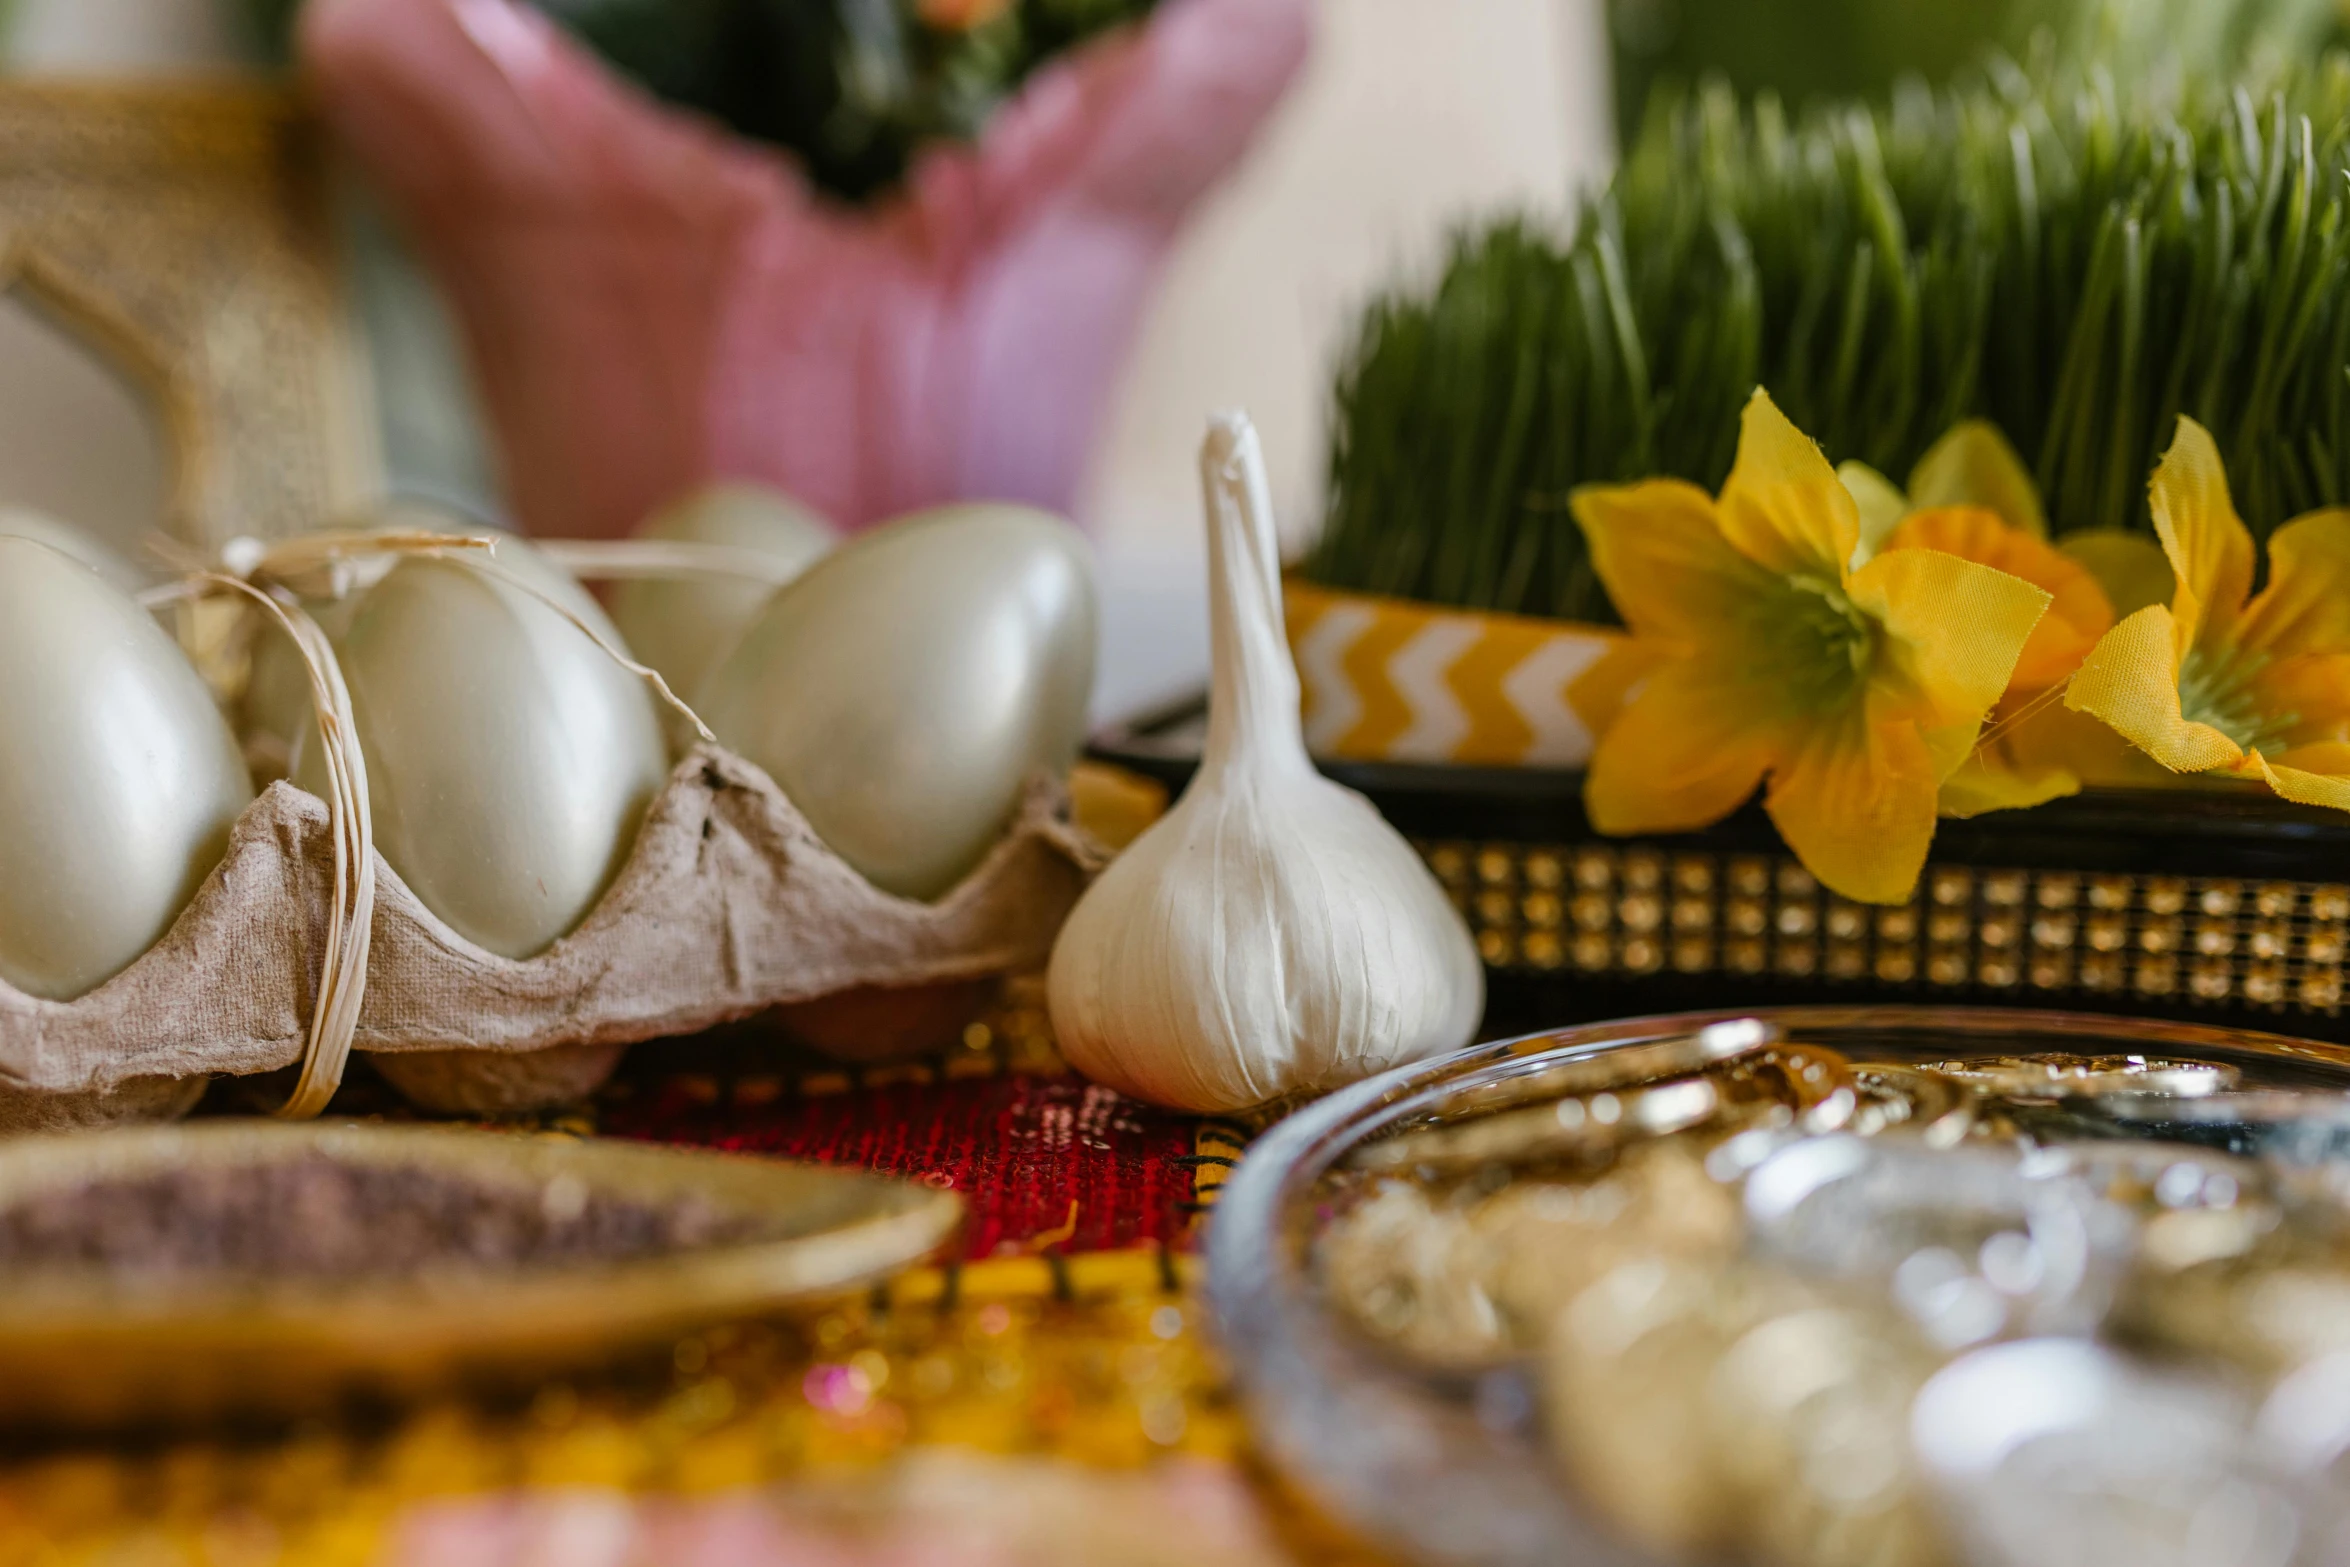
<point>1826,645</point>
<point>2215,688</point>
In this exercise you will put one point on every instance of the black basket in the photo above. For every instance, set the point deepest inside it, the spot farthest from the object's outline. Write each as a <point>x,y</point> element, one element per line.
<point>2218,905</point>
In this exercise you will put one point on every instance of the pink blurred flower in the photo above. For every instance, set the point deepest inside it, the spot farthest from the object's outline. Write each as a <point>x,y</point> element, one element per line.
<point>651,303</point>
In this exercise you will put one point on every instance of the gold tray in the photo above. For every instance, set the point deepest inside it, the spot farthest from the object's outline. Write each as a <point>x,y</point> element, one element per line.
<point>90,1349</point>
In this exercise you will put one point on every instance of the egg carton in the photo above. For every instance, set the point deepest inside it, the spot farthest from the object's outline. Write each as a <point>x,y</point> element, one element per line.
<point>728,906</point>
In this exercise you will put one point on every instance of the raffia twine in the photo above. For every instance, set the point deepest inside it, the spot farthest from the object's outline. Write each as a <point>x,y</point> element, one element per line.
<point>273,578</point>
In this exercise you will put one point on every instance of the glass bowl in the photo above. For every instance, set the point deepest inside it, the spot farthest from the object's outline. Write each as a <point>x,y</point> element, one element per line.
<point>1443,1466</point>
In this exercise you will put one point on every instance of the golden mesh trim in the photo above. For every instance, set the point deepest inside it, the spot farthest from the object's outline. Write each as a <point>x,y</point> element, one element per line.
<point>1638,909</point>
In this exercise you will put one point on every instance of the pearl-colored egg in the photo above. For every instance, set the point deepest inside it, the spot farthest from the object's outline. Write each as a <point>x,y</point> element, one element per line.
<point>17,522</point>
<point>510,760</point>
<point>904,688</point>
<point>277,703</point>
<point>683,626</point>
<point>119,779</point>
<point>278,708</point>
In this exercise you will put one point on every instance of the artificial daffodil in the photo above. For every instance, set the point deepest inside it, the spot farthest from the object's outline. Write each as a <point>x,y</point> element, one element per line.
<point>1971,465</point>
<point>2224,680</point>
<point>1970,496</point>
<point>1849,693</point>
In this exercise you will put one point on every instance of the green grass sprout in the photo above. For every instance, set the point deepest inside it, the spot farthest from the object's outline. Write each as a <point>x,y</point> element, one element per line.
<point>2077,260</point>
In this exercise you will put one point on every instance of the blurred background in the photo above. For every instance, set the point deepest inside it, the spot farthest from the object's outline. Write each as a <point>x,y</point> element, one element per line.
<point>1410,117</point>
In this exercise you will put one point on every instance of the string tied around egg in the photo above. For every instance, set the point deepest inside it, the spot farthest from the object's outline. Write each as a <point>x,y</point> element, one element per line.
<point>342,976</point>
<point>274,577</point>
<point>663,560</point>
<point>328,564</point>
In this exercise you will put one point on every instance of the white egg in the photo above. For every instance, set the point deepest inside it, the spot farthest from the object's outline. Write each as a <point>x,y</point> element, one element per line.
<point>16,522</point>
<point>277,705</point>
<point>277,702</point>
<point>904,688</point>
<point>510,760</point>
<point>683,626</point>
<point>119,779</point>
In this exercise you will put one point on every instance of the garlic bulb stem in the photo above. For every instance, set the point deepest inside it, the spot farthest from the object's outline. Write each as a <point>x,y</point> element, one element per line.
<point>1253,690</point>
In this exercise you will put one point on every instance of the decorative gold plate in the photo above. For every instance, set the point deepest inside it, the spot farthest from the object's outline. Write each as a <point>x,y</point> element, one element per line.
<point>91,1347</point>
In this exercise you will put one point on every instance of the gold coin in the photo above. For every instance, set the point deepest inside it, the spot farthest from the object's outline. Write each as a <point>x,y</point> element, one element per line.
<point>1616,1068</point>
<point>1941,1108</point>
<point>1812,1081</point>
<point>2059,1076</point>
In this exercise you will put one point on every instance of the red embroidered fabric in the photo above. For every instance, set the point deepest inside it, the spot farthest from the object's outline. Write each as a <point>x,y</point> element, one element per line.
<point>1046,1162</point>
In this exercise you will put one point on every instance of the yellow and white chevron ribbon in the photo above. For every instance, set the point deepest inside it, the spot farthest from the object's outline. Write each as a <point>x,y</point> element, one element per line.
<point>1388,680</point>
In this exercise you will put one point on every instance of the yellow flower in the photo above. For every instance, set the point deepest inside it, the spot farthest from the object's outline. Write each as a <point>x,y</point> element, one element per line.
<point>1970,496</point>
<point>1852,692</point>
<point>2078,613</point>
<point>1971,465</point>
<point>2224,680</point>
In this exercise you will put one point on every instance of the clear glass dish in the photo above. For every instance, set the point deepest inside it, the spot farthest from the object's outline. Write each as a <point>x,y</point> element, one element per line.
<point>1445,1467</point>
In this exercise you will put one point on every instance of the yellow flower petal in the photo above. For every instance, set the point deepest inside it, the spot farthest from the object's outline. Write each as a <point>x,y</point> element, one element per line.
<point>2331,757</point>
<point>1782,506</point>
<point>1600,694</point>
<point>2078,613</point>
<point>2306,606</point>
<point>2131,681</point>
<point>2314,690</point>
<point>1658,548</point>
<point>1856,803</point>
<point>1973,465</point>
<point>1685,753</point>
<point>2209,547</point>
<point>1880,502</point>
<point>2082,745</point>
<point>1991,781</point>
<point>2323,779</point>
<point>2130,567</point>
<point>1953,631</point>
<point>2034,748</point>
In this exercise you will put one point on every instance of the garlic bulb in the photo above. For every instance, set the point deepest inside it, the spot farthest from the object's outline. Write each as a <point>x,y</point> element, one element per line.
<point>1272,934</point>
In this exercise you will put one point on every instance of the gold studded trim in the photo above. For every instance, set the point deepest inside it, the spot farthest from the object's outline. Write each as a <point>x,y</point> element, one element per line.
<point>1637,909</point>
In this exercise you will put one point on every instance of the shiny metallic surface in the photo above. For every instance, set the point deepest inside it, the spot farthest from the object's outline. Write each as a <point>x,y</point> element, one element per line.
<point>510,760</point>
<point>683,626</point>
<point>97,1348</point>
<point>1928,1237</point>
<point>906,687</point>
<point>119,779</point>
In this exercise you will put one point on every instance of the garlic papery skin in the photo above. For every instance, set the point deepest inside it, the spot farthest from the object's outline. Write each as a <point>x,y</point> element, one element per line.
<point>1271,935</point>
